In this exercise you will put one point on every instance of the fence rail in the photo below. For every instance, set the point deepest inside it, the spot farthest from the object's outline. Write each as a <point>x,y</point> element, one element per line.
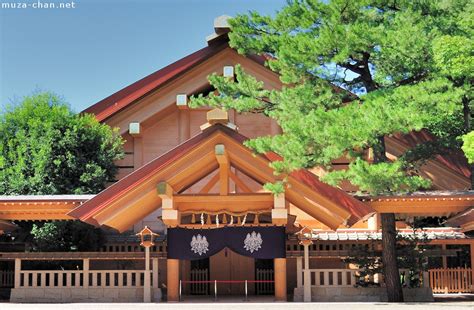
<point>81,278</point>
<point>452,280</point>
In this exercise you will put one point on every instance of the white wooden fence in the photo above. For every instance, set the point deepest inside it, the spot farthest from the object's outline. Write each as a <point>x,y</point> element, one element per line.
<point>82,278</point>
<point>330,277</point>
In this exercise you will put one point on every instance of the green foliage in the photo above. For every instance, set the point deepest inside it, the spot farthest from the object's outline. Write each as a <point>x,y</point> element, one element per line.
<point>46,149</point>
<point>468,146</point>
<point>411,257</point>
<point>66,236</point>
<point>403,59</point>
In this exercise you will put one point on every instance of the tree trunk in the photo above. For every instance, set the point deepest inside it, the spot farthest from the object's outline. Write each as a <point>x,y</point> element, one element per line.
<point>389,258</point>
<point>389,240</point>
<point>389,231</point>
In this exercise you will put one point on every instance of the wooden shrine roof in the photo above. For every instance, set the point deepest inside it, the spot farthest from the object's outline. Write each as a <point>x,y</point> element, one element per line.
<point>331,200</point>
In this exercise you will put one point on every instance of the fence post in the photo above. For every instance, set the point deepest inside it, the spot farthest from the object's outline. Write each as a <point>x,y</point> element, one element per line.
<point>246,291</point>
<point>215,290</point>
<point>299,271</point>
<point>307,275</point>
<point>85,270</point>
<point>155,272</point>
<point>17,272</point>
<point>147,284</point>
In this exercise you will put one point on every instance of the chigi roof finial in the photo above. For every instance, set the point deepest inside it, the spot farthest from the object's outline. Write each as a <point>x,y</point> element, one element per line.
<point>221,27</point>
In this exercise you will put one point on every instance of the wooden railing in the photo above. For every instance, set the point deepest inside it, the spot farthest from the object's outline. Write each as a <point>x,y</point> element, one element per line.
<point>81,278</point>
<point>332,277</point>
<point>452,280</point>
<point>7,278</point>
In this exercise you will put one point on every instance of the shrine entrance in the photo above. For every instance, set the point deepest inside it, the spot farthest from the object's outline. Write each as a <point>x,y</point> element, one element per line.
<point>227,274</point>
<point>230,261</point>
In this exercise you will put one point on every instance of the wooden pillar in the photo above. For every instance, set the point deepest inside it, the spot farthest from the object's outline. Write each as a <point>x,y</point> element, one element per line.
<point>280,279</point>
<point>299,271</point>
<point>443,257</point>
<point>154,267</point>
<point>17,272</point>
<point>147,284</point>
<point>85,271</point>
<point>173,279</point>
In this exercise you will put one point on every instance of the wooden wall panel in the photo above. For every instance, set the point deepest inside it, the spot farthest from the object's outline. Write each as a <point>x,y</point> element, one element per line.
<point>161,137</point>
<point>253,125</point>
<point>197,118</point>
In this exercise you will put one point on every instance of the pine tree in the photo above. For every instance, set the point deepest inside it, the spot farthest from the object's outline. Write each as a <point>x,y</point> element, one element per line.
<point>354,72</point>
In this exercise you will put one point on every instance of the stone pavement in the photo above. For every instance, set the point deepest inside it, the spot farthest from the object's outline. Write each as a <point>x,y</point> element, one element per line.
<point>241,305</point>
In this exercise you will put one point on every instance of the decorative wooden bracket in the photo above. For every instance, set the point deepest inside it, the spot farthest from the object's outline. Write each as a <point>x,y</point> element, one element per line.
<point>169,213</point>
<point>224,168</point>
<point>182,101</point>
<point>134,128</point>
<point>279,211</point>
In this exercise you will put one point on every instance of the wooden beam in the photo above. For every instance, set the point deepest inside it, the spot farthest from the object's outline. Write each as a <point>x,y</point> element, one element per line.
<point>217,203</point>
<point>451,241</point>
<point>201,168</point>
<point>40,211</point>
<point>212,182</point>
<point>415,208</point>
<point>164,190</point>
<point>240,184</point>
<point>318,212</point>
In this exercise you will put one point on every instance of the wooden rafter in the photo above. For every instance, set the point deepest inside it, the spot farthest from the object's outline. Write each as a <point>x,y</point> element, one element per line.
<point>209,185</point>
<point>240,184</point>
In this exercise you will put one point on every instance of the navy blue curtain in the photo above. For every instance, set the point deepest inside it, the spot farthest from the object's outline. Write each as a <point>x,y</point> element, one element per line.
<point>256,242</point>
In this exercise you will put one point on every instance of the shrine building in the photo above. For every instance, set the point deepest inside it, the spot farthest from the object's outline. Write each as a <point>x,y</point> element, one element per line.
<point>187,214</point>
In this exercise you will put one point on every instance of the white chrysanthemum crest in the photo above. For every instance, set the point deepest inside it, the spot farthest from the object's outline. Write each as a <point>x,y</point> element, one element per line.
<point>199,244</point>
<point>253,242</point>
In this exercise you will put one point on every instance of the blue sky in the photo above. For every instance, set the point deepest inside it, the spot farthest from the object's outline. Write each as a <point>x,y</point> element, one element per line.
<point>87,53</point>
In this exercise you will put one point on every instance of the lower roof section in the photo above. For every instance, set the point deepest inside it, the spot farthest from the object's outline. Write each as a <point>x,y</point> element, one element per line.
<point>39,207</point>
<point>443,233</point>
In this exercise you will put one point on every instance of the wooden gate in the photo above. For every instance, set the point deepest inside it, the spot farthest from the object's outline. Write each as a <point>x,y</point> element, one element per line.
<point>264,288</point>
<point>451,280</point>
<point>199,288</point>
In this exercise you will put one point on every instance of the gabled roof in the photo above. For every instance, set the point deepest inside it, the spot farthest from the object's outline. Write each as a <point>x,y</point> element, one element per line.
<point>334,205</point>
<point>126,96</point>
<point>441,233</point>
<point>453,160</point>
